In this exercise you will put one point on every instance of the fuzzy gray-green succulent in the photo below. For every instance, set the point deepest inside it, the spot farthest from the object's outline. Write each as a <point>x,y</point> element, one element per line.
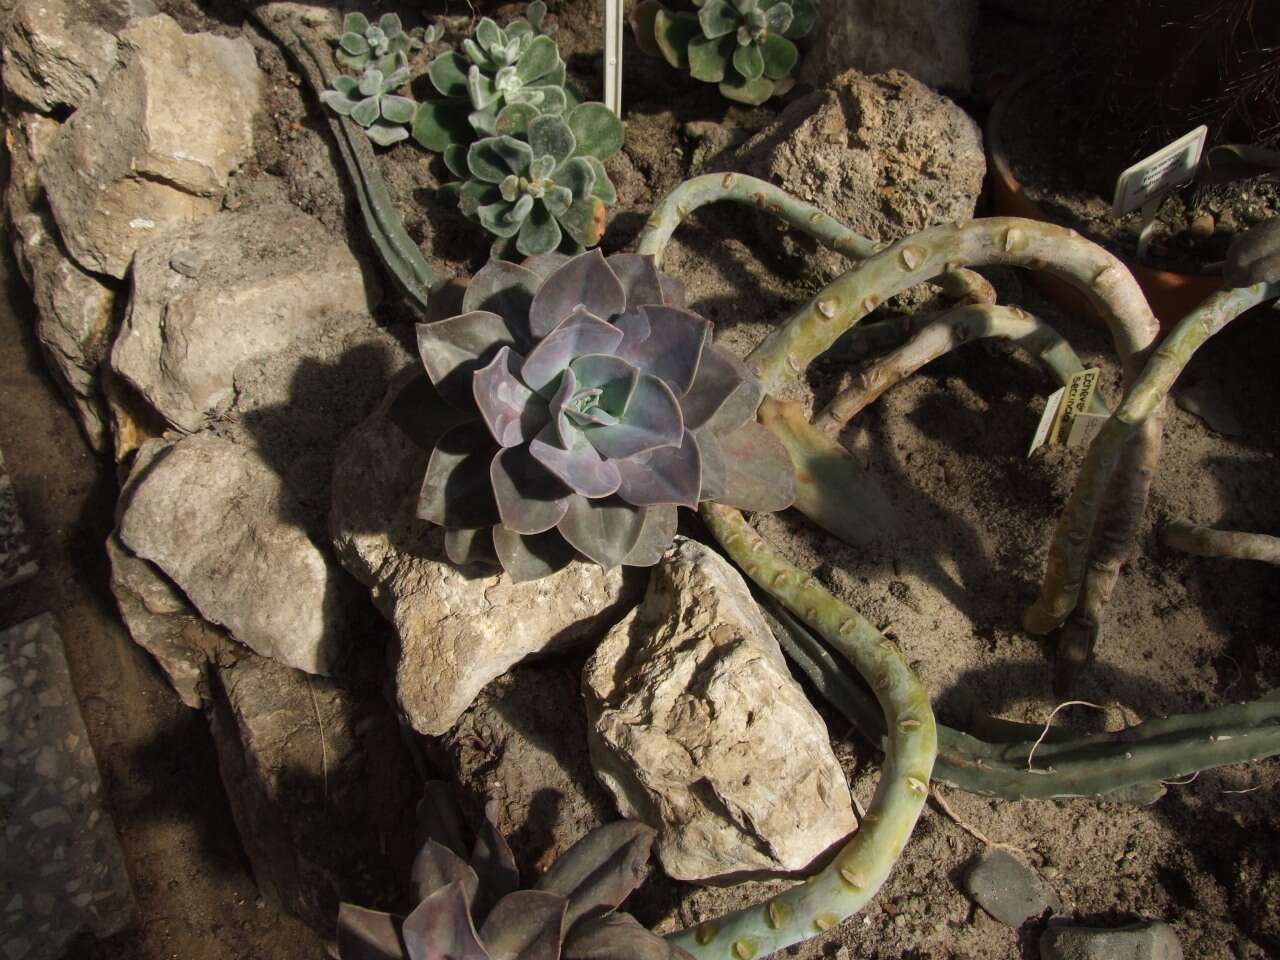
<point>548,189</point>
<point>592,405</point>
<point>364,44</point>
<point>371,102</point>
<point>471,906</point>
<point>497,67</point>
<point>743,45</point>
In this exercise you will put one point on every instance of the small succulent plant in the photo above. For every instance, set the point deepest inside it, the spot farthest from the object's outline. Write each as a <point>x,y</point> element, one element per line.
<point>371,102</point>
<point>496,68</point>
<point>597,404</point>
<point>364,44</point>
<point>743,45</point>
<point>534,192</point>
<point>471,907</point>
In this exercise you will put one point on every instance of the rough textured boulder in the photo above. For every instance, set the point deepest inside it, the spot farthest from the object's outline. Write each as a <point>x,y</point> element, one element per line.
<point>458,628</point>
<point>163,622</point>
<point>698,729</point>
<point>156,145</point>
<point>320,786</point>
<point>930,39</point>
<point>209,296</point>
<point>221,524</point>
<point>57,52</point>
<point>883,154</point>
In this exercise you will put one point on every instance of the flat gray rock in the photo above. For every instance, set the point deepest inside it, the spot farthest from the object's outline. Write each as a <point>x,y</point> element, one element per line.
<point>16,564</point>
<point>1009,890</point>
<point>1149,940</point>
<point>61,869</point>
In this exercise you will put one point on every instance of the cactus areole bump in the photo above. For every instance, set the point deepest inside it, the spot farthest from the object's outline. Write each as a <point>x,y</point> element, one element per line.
<point>599,405</point>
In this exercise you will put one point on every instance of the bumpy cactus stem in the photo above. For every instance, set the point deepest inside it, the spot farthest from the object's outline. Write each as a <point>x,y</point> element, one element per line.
<point>828,231</point>
<point>1137,416</point>
<point>1232,544</point>
<point>858,871</point>
<point>1127,765</point>
<point>395,247</point>
<point>943,335</point>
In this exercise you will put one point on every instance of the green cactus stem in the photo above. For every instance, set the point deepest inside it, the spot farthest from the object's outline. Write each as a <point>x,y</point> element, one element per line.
<point>944,334</point>
<point>750,191</point>
<point>1125,766</point>
<point>857,871</point>
<point>1232,544</point>
<point>393,244</point>
<point>1138,416</point>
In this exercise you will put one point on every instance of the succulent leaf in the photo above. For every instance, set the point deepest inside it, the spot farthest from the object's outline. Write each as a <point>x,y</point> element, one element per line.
<point>580,332</point>
<point>713,468</point>
<point>537,61</point>
<point>720,376</point>
<point>493,159</point>
<point>580,467</point>
<point>596,129</point>
<point>369,934</point>
<point>513,120</point>
<point>617,936</point>
<point>673,33</point>
<point>509,408</point>
<point>804,14</point>
<point>585,280</point>
<point>653,420</point>
<point>717,18</point>
<point>584,221</point>
<point>453,349</point>
<point>603,190</point>
<point>531,499</point>
<point>355,22</point>
<point>491,857</point>
<point>441,124</point>
<point>752,92</point>
<point>604,531</point>
<point>440,928</point>
<point>778,18</point>
<point>550,135</point>
<point>709,58</point>
<point>398,110</point>
<point>668,475</point>
<point>436,867</point>
<point>665,341</point>
<point>748,61</point>
<point>457,490</point>
<point>600,870</point>
<point>643,26</point>
<point>778,56</point>
<point>540,233</point>
<point>656,534</point>
<point>758,472</point>
<point>385,134</point>
<point>464,547</point>
<point>639,278</point>
<point>531,558</point>
<point>506,289</point>
<point>525,925</point>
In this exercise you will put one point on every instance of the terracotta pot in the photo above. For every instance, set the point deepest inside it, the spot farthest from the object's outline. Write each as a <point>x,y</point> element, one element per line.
<point>1171,295</point>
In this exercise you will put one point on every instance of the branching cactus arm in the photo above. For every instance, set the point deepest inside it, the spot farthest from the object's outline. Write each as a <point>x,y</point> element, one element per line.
<point>861,867</point>
<point>1232,544</point>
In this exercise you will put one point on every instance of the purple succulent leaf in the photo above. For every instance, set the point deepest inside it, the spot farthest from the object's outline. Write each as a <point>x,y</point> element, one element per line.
<point>600,870</point>
<point>369,934</point>
<point>440,928</point>
<point>759,474</point>
<point>561,428</point>
<point>639,278</point>
<point>653,420</point>
<point>456,490</point>
<point>545,264</point>
<point>738,408</point>
<point>530,498</point>
<point>617,936</point>
<point>506,289</point>
<point>672,290</point>
<point>513,412</point>
<point>455,348</point>
<point>440,818</point>
<point>666,475</point>
<point>531,558</point>
<point>421,413</point>
<point>583,281</point>
<point>660,523</point>
<point>580,332</point>
<point>580,466</point>
<point>493,862</point>
<point>525,925</point>
<point>436,867</point>
<point>664,341</point>
<point>604,531</point>
<point>713,469</point>
<point>720,375</point>
<point>463,547</point>
<point>612,376</point>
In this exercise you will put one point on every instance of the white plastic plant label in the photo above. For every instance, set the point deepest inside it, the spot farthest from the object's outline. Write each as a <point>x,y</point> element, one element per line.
<point>1046,420</point>
<point>613,20</point>
<point>1065,421</point>
<point>1153,176</point>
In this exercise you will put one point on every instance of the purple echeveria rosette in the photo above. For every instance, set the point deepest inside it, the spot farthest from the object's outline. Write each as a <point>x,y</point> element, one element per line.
<point>599,405</point>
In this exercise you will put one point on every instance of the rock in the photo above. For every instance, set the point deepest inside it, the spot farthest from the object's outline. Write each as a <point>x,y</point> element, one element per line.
<point>320,786</point>
<point>17,563</point>
<point>268,281</point>
<point>698,729</point>
<point>883,154</point>
<point>156,146</point>
<point>221,524</point>
<point>1009,890</point>
<point>523,743</point>
<point>61,869</point>
<point>163,622</point>
<point>930,39</point>
<point>1149,940</point>
<point>57,52</point>
<point>458,628</point>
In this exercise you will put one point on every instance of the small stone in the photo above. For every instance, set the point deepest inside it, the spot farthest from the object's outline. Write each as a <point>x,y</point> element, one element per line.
<point>1148,940</point>
<point>186,263</point>
<point>1202,226</point>
<point>1009,890</point>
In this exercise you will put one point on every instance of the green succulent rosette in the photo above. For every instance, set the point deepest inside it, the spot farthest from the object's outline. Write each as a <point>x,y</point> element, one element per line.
<point>364,44</point>
<point>594,406</point>
<point>745,46</point>
<point>372,102</point>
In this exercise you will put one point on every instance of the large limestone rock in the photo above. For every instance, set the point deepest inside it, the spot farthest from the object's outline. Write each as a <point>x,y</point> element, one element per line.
<point>209,296</point>
<point>320,785</point>
<point>930,39</point>
<point>221,524</point>
<point>57,52</point>
<point>163,622</point>
<point>458,628</point>
<point>698,729</point>
<point>156,146</point>
<point>883,154</point>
